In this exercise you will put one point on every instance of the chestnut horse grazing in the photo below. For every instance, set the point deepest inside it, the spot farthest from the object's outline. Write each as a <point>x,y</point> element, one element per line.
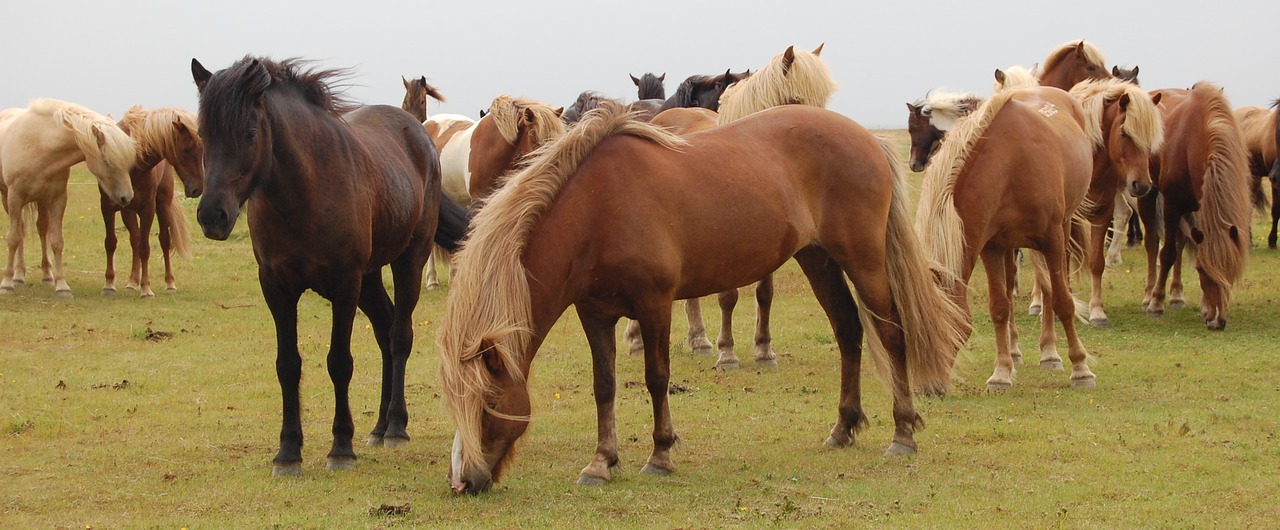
<point>335,192</point>
<point>167,139</point>
<point>1258,127</point>
<point>1012,175</point>
<point>620,218</point>
<point>38,146</point>
<point>1203,179</point>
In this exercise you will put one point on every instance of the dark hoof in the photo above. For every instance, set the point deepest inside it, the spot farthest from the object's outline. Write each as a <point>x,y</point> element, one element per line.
<point>591,480</point>
<point>341,463</point>
<point>1051,365</point>
<point>1100,323</point>
<point>655,470</point>
<point>286,469</point>
<point>898,449</point>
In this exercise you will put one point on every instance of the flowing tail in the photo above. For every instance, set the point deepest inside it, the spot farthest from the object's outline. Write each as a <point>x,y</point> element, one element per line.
<point>179,234</point>
<point>454,220</point>
<point>933,325</point>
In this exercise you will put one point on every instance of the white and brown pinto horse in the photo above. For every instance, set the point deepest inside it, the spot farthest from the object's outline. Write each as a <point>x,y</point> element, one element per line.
<point>38,146</point>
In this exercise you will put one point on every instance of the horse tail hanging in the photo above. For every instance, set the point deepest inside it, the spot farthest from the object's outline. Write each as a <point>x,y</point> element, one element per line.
<point>179,234</point>
<point>453,224</point>
<point>1224,207</point>
<point>934,327</point>
<point>1079,233</point>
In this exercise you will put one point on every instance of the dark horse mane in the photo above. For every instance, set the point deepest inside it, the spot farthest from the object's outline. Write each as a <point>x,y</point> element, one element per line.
<point>683,97</point>
<point>315,85</point>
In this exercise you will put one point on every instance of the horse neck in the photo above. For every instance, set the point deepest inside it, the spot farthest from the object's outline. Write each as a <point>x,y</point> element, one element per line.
<point>64,152</point>
<point>296,129</point>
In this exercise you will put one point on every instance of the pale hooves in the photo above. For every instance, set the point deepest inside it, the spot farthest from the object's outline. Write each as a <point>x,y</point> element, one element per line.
<point>591,480</point>
<point>995,385</point>
<point>1156,313</point>
<point>1084,382</point>
<point>1100,323</point>
<point>836,443</point>
<point>286,469</point>
<point>1033,310</point>
<point>374,441</point>
<point>17,282</point>
<point>64,294</point>
<point>392,443</point>
<point>1051,365</point>
<point>6,290</point>
<point>1177,304</point>
<point>433,286</point>
<point>341,463</point>
<point>108,292</point>
<point>727,365</point>
<point>767,362</point>
<point>703,350</point>
<point>898,449</point>
<point>655,470</point>
<point>147,294</point>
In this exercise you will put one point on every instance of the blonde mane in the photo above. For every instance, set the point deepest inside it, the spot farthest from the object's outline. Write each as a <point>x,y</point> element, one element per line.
<point>1142,119</point>
<point>937,221</point>
<point>489,300</point>
<point>806,81</point>
<point>1016,76</point>
<point>509,114</point>
<point>944,109</point>
<point>1225,199</point>
<point>117,149</point>
<point>1092,55</point>
<point>154,131</point>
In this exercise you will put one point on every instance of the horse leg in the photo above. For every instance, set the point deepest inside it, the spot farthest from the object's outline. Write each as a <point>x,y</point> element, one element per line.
<point>14,241</point>
<point>1149,214</point>
<point>43,214</point>
<point>655,325</point>
<point>600,330</point>
<point>1275,212</point>
<point>51,219</point>
<point>1098,264</point>
<point>632,335</point>
<point>1064,305</point>
<point>406,273</point>
<point>377,307</point>
<point>129,217</point>
<point>164,223</point>
<point>1177,297</point>
<point>829,287</point>
<point>764,302</point>
<point>142,254</point>
<point>1049,358</point>
<point>697,339</point>
<point>728,359</point>
<point>1011,280</point>
<point>344,297</point>
<point>1119,225</point>
<point>282,301</point>
<point>994,260</point>
<point>109,243</point>
<point>1037,285</point>
<point>432,281</point>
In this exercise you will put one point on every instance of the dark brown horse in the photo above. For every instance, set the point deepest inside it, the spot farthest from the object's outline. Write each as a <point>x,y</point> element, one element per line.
<point>649,86</point>
<point>702,91</point>
<point>415,97</point>
<point>620,218</point>
<point>929,119</point>
<point>645,109</point>
<point>167,140</point>
<point>335,192</point>
<point>1129,75</point>
<point>1203,178</point>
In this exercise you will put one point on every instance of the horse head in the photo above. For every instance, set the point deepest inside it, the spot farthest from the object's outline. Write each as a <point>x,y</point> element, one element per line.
<point>1126,74</point>
<point>1133,134</point>
<point>488,396</point>
<point>925,137</point>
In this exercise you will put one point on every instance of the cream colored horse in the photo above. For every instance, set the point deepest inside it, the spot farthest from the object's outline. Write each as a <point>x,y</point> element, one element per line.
<point>38,146</point>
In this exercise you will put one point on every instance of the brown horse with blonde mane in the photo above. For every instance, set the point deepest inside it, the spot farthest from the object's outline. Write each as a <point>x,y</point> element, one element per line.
<point>1258,128</point>
<point>977,200</point>
<point>621,218</point>
<point>1203,179</point>
<point>168,139</point>
<point>1071,63</point>
<point>513,128</point>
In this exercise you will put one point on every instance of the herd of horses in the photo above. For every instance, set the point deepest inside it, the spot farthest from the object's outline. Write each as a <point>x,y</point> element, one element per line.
<point>620,209</point>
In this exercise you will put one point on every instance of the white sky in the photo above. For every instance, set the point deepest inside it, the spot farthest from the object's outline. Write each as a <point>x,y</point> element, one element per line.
<point>108,54</point>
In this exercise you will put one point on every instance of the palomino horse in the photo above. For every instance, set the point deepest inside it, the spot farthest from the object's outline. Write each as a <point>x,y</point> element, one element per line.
<point>977,200</point>
<point>167,140</point>
<point>415,97</point>
<point>38,146</point>
<point>1071,63</point>
<point>335,192</point>
<point>702,91</point>
<point>1126,130</point>
<point>1203,181</point>
<point>1258,127</point>
<point>621,218</point>
<point>649,86</point>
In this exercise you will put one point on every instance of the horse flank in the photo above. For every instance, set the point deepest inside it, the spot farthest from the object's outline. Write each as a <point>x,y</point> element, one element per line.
<point>1225,198</point>
<point>807,81</point>
<point>489,300</point>
<point>508,112</point>
<point>937,221</point>
<point>117,150</point>
<point>1142,122</point>
<point>153,129</point>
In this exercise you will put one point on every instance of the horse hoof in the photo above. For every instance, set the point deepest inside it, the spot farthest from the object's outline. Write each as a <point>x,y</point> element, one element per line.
<point>341,463</point>
<point>1216,325</point>
<point>1051,365</point>
<point>108,292</point>
<point>18,283</point>
<point>433,286</point>
<point>591,480</point>
<point>1084,382</point>
<point>147,294</point>
<point>47,281</point>
<point>1155,313</point>
<point>64,294</point>
<point>1033,310</point>
<point>392,443</point>
<point>996,386</point>
<point>1177,304</point>
<point>836,443</point>
<point>286,469</point>
<point>898,449</point>
<point>766,362</point>
<point>6,290</point>
<point>727,365</point>
<point>703,350</point>
<point>655,470</point>
<point>1100,323</point>
<point>1017,358</point>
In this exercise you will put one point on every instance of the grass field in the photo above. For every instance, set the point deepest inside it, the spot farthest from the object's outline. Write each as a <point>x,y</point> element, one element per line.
<point>164,412</point>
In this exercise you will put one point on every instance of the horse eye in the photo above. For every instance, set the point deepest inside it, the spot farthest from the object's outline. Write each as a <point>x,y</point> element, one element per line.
<point>251,135</point>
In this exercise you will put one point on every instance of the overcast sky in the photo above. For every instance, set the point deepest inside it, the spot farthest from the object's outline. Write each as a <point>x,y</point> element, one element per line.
<point>108,55</point>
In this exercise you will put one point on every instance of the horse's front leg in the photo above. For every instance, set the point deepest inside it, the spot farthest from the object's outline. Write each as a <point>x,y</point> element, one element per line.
<point>655,325</point>
<point>600,331</point>
<point>1149,214</point>
<point>1098,264</point>
<point>109,244</point>
<point>141,273</point>
<point>50,218</point>
<point>13,273</point>
<point>764,304</point>
<point>129,218</point>
<point>697,340</point>
<point>344,298</point>
<point>282,301</point>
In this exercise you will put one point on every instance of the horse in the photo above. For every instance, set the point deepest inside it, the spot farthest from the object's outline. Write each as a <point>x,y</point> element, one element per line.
<point>451,134</point>
<point>335,191</point>
<point>1126,74</point>
<point>649,86</point>
<point>1258,127</point>
<point>1071,63</point>
<point>513,128</point>
<point>1202,175</point>
<point>1125,126</point>
<point>929,119</point>
<point>621,218</point>
<point>702,91</point>
<point>590,99</point>
<point>976,200</point>
<point>38,146</point>
<point>683,121</point>
<point>415,97</point>
<point>168,140</point>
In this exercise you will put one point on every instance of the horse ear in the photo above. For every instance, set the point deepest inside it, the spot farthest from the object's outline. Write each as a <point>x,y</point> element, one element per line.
<point>492,359</point>
<point>1115,71</point>
<point>1080,47</point>
<point>1135,71</point>
<point>788,57</point>
<point>482,113</point>
<point>257,77</point>
<point>634,80</point>
<point>818,50</point>
<point>1155,100</point>
<point>1000,76</point>
<point>405,81</point>
<point>1124,102</point>
<point>181,128</point>
<point>1234,232</point>
<point>662,78</point>
<point>529,116</point>
<point>102,138</point>
<point>423,80</point>
<point>911,108</point>
<point>559,112</point>
<point>200,74</point>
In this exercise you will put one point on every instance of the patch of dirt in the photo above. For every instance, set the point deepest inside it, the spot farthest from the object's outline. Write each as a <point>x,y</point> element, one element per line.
<point>157,336</point>
<point>123,384</point>
<point>390,509</point>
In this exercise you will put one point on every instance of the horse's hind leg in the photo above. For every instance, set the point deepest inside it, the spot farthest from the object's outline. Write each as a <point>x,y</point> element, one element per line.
<point>377,307</point>
<point>109,244</point>
<point>764,303</point>
<point>1064,305</point>
<point>165,224</point>
<point>728,359</point>
<point>1149,214</point>
<point>1037,287</point>
<point>141,239</point>
<point>129,218</point>
<point>655,325</point>
<point>600,332</point>
<point>829,287</point>
<point>42,230</point>
<point>697,340</point>
<point>1011,281</point>
<point>1177,295</point>
<point>406,272</point>
<point>1168,258</point>
<point>432,281</point>
<point>1098,265</point>
<point>1275,211</point>
<point>1118,229</point>
<point>995,260</point>
<point>51,218</point>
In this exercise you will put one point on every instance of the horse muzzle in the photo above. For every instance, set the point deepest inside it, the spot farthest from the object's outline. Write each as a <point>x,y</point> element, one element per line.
<point>1138,189</point>
<point>216,221</point>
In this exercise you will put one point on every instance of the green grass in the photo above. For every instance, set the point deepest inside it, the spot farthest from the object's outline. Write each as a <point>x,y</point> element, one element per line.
<point>1181,431</point>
